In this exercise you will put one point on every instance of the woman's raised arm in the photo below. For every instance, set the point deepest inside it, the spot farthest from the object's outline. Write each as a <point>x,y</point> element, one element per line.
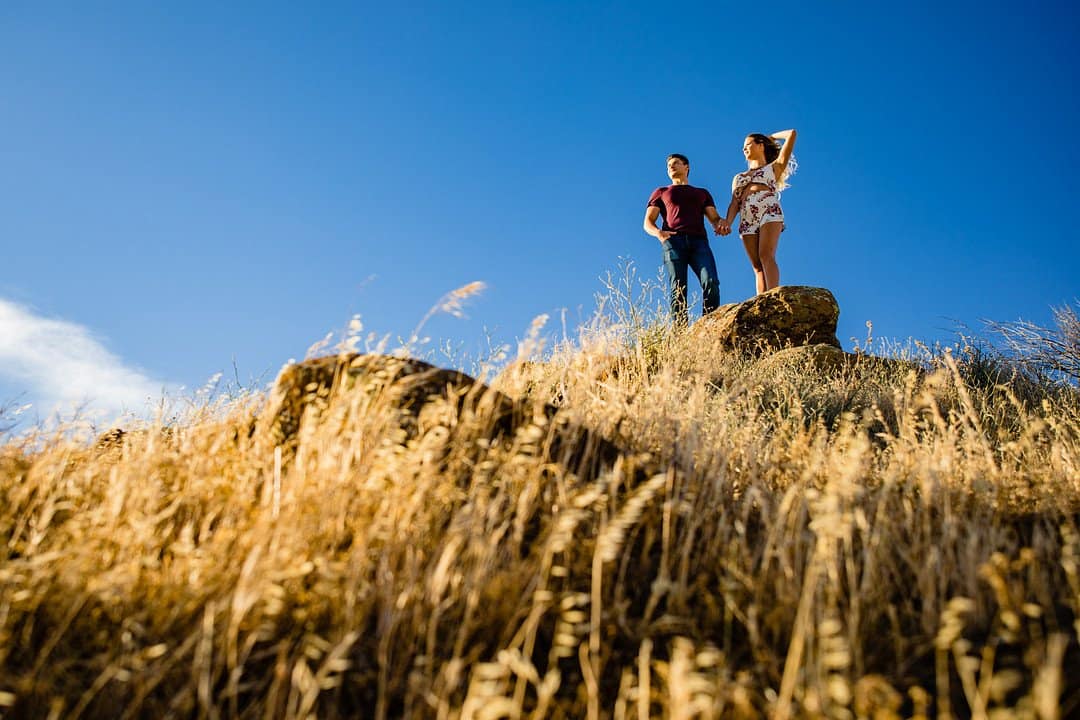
<point>788,136</point>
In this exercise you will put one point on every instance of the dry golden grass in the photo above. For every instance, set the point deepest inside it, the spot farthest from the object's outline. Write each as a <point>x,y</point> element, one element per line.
<point>873,543</point>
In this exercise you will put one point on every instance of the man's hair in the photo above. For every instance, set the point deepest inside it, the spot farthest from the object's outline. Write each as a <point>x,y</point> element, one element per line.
<point>680,157</point>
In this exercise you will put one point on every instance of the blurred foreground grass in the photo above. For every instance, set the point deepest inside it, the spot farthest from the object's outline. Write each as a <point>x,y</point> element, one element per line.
<point>888,539</point>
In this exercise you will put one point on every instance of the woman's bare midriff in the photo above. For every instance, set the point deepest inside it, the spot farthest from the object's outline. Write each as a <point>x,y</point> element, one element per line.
<point>753,188</point>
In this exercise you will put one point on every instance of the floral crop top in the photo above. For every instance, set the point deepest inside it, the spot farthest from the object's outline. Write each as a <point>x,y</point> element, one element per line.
<point>764,175</point>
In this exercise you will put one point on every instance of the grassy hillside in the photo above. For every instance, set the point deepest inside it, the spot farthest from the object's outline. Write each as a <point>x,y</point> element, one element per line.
<point>887,539</point>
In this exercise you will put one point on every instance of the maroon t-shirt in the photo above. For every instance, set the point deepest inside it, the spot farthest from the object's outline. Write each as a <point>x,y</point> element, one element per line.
<point>682,207</point>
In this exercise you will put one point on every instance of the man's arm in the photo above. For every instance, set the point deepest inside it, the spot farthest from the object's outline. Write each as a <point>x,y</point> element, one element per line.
<point>651,213</point>
<point>720,226</point>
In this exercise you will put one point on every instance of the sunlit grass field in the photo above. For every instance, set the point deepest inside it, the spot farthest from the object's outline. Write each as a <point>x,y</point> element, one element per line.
<point>879,540</point>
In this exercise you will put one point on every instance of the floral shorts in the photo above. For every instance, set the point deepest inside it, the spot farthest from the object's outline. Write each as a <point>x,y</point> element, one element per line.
<point>759,208</point>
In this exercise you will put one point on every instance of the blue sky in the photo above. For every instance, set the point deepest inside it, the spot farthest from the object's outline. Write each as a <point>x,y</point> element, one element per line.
<point>193,188</point>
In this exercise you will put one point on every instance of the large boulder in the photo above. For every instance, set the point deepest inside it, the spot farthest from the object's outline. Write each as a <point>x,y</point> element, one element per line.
<point>787,316</point>
<point>819,358</point>
<point>413,398</point>
<point>389,385</point>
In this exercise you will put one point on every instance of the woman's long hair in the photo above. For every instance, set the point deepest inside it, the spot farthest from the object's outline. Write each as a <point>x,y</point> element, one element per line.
<point>772,151</point>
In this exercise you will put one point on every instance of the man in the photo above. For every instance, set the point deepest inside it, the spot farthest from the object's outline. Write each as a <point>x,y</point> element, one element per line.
<point>683,209</point>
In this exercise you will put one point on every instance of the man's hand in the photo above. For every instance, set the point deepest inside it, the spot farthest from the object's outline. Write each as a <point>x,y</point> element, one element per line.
<point>664,235</point>
<point>722,227</point>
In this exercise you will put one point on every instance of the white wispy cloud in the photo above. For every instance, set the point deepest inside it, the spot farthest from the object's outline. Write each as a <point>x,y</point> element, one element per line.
<point>60,365</point>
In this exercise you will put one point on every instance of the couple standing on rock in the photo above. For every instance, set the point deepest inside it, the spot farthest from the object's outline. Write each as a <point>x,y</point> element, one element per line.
<point>755,195</point>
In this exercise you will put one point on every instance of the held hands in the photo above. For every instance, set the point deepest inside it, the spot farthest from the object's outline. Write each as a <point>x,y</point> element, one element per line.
<point>722,227</point>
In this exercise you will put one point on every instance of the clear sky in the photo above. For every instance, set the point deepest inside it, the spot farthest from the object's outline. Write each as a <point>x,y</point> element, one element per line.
<point>202,187</point>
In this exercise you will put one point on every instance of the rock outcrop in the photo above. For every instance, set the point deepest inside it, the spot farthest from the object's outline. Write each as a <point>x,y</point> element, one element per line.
<point>824,359</point>
<point>784,325</point>
<point>399,386</point>
<point>790,315</point>
<point>821,357</point>
<point>415,397</point>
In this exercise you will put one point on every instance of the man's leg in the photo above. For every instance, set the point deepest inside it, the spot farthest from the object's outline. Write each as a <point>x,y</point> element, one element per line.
<point>675,252</point>
<point>704,265</point>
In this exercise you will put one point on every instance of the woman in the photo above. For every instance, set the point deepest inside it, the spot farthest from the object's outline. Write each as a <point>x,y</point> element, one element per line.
<point>755,194</point>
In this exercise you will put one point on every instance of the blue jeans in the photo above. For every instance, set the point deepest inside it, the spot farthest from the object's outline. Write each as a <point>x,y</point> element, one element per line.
<point>690,251</point>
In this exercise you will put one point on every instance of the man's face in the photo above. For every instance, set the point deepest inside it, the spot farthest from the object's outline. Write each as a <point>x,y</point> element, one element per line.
<point>677,169</point>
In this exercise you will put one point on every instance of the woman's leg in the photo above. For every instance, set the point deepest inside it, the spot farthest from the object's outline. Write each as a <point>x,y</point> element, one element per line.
<point>768,239</point>
<point>750,242</point>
